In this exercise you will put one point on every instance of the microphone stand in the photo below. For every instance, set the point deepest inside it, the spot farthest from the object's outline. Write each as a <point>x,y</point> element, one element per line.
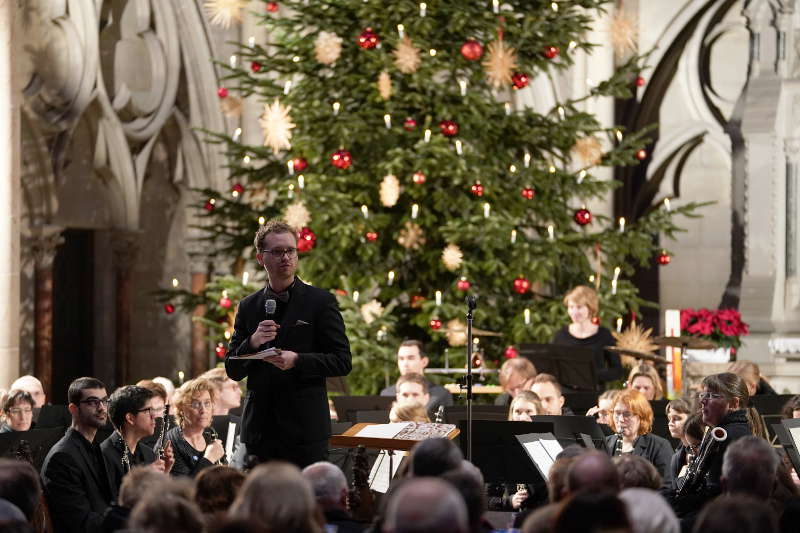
<point>468,378</point>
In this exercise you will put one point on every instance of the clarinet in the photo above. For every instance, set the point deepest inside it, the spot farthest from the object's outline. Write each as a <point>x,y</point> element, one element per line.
<point>618,445</point>
<point>210,435</point>
<point>161,442</point>
<point>439,417</point>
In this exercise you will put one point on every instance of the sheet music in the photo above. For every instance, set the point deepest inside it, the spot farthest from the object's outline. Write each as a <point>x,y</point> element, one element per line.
<point>382,431</point>
<point>379,477</point>
<point>229,439</point>
<point>795,433</point>
<point>539,455</point>
<point>258,355</point>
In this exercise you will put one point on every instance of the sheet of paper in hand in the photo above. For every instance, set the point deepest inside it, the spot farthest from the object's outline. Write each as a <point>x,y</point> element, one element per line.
<point>269,352</point>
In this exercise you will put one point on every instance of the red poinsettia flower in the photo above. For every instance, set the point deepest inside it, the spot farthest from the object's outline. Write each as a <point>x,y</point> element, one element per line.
<point>723,326</point>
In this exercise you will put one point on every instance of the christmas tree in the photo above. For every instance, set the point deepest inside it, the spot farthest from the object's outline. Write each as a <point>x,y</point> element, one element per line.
<point>393,143</point>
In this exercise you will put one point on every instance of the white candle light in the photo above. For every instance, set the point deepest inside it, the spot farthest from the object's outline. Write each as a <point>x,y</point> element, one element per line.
<point>667,205</point>
<point>390,278</point>
<point>459,148</point>
<point>581,176</point>
<point>365,211</point>
<point>527,160</point>
<point>561,112</point>
<point>246,160</point>
<point>619,324</point>
<point>336,106</point>
<point>495,6</point>
<point>245,277</point>
<point>438,297</point>
<point>233,61</point>
<point>507,105</point>
<point>387,119</point>
<point>552,169</point>
<point>401,30</point>
<point>290,166</point>
<point>617,271</point>
<point>301,181</point>
<point>463,84</point>
<point>551,232</point>
<point>427,135</point>
<point>287,87</point>
<point>261,221</point>
<point>175,282</point>
<point>423,8</point>
<point>251,42</point>
<point>613,286</point>
<point>622,224</point>
<point>554,6</point>
<point>236,134</point>
<point>486,210</point>
<point>414,211</point>
<point>513,236</point>
<point>527,316</point>
<point>512,168</point>
<point>618,133</point>
<point>355,296</point>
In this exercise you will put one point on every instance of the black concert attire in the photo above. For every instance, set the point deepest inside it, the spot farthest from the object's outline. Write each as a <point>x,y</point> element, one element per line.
<point>113,449</point>
<point>676,464</point>
<point>286,413</point>
<point>76,484</point>
<point>607,364</point>
<point>188,460</point>
<point>655,449</point>
<point>498,496</point>
<point>439,396</point>
<point>764,388</point>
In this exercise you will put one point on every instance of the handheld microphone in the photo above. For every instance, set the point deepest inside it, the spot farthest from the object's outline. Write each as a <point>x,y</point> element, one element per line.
<point>270,306</point>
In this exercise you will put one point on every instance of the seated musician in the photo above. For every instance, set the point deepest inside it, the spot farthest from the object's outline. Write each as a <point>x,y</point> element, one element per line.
<point>691,433</point>
<point>605,404</point>
<point>18,410</point>
<point>524,407</point>
<point>645,379</point>
<point>408,412</point>
<point>632,421</point>
<point>515,375</point>
<point>677,411</point>
<point>585,331</point>
<point>194,444</point>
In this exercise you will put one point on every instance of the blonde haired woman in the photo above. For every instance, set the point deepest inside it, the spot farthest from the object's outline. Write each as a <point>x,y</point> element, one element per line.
<point>194,443</point>
<point>646,380</point>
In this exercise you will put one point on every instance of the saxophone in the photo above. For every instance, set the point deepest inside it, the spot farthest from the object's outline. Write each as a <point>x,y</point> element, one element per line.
<point>710,446</point>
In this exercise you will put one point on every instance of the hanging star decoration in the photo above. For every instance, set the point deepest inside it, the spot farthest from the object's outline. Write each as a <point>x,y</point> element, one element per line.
<point>500,63</point>
<point>635,338</point>
<point>224,13</point>
<point>277,126</point>
<point>297,215</point>
<point>452,256</point>
<point>411,237</point>
<point>406,57</point>
<point>385,85</point>
<point>390,190</point>
<point>589,150</point>
<point>371,310</point>
<point>327,47</point>
<point>624,33</point>
<point>258,196</point>
<point>456,333</point>
<point>231,106</point>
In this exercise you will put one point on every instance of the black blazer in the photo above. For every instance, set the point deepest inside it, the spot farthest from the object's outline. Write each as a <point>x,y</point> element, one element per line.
<point>77,489</point>
<point>113,448</point>
<point>290,407</point>
<point>655,449</point>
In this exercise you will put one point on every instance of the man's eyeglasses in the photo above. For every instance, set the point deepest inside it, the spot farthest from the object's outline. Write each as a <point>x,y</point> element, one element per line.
<point>277,253</point>
<point>708,396</point>
<point>96,402</point>
<point>155,413</point>
<point>16,411</point>
<point>206,406</point>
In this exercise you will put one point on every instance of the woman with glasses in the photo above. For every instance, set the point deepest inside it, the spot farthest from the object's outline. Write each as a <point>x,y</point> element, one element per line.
<point>632,421</point>
<point>18,411</point>
<point>194,443</point>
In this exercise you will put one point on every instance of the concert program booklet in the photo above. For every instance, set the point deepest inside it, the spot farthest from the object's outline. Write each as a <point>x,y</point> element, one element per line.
<point>269,352</point>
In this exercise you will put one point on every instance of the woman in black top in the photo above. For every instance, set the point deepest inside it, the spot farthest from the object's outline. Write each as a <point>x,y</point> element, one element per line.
<point>193,443</point>
<point>585,332</point>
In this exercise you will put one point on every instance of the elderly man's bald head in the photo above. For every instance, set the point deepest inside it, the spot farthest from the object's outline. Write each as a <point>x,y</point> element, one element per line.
<point>592,470</point>
<point>32,386</point>
<point>329,484</point>
<point>426,505</point>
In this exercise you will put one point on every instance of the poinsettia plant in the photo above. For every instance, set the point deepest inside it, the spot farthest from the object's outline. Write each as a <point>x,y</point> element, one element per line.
<point>721,326</point>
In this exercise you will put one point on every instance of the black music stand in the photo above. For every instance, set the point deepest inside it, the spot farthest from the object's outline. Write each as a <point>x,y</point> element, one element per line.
<point>37,441</point>
<point>371,416</point>
<point>53,416</point>
<point>580,430</point>
<point>770,404</point>
<point>788,433</point>
<point>574,367</point>
<point>347,406</point>
<point>497,452</point>
<point>453,414</point>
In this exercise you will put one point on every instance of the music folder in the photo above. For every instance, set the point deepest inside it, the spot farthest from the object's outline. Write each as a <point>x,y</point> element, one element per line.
<point>542,448</point>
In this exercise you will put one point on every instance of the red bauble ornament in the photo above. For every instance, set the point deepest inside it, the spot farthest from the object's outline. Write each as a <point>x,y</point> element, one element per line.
<point>255,66</point>
<point>208,206</point>
<point>595,320</point>
<point>222,92</point>
<point>640,81</point>
<point>169,308</point>
<point>371,236</point>
<point>520,80</point>
<point>409,124</point>
<point>528,193</point>
<point>521,285</point>
<point>220,351</point>
<point>306,240</point>
<point>641,155</point>
<point>417,300</point>
<point>664,258</point>
<point>511,353</point>
<point>225,302</point>
<point>550,52</point>
<point>472,50</point>
<point>582,216</point>
<point>272,7</point>
<point>237,188</point>
<point>463,284</point>
<point>368,39</point>
<point>448,128</point>
<point>341,159</point>
<point>418,177</point>
<point>435,324</point>
<point>341,292</point>
<point>477,188</point>
<point>299,164</point>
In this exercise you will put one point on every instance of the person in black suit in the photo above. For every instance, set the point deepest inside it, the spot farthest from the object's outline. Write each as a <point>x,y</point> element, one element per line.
<point>74,475</point>
<point>411,359</point>
<point>286,412</point>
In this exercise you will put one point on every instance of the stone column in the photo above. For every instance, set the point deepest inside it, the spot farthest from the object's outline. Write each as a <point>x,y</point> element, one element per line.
<point>44,242</point>
<point>199,362</point>
<point>9,197</point>
<point>125,245</point>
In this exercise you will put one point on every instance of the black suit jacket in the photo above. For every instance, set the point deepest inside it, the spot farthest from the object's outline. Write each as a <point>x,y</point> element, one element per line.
<point>77,489</point>
<point>113,448</point>
<point>285,408</point>
<point>655,449</point>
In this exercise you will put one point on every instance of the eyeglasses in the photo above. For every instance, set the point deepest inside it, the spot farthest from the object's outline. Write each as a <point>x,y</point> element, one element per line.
<point>277,253</point>
<point>623,415</point>
<point>96,402</point>
<point>206,406</point>
<point>16,411</point>
<point>708,396</point>
<point>150,411</point>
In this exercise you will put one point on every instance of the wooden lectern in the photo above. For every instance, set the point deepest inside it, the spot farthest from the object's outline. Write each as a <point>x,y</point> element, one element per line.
<point>350,439</point>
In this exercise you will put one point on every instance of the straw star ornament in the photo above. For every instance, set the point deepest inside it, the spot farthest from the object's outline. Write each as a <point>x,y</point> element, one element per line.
<point>327,47</point>
<point>452,256</point>
<point>277,126</point>
<point>406,57</point>
<point>500,62</point>
<point>224,13</point>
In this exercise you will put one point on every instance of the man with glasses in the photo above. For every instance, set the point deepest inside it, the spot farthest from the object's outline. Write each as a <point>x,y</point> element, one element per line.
<point>286,412</point>
<point>74,476</point>
<point>134,417</point>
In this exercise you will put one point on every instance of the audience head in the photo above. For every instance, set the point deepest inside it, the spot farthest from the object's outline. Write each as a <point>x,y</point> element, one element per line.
<point>432,457</point>
<point>548,390</point>
<point>159,513</point>
<point>411,357</point>
<point>468,481</point>
<point>748,514</point>
<point>194,403</point>
<point>582,304</point>
<point>593,471</point>
<point>557,477</point>
<point>408,412</point>
<point>541,519</point>
<point>792,408</point>
<point>19,484</point>
<point>644,378</point>
<point>169,387</point>
<point>635,471</point>
<point>592,511</point>
<point>329,485</point>
<point>632,415</point>
<point>749,467</point>
<point>692,431</point>
<point>277,497</point>
<point>516,375</point>
<point>649,512</point>
<point>129,409</point>
<point>678,410</point>
<point>524,407</point>
<point>721,394</point>
<point>216,487</point>
<point>749,372</point>
<point>605,404</point>
<point>18,409</point>
<point>159,394</point>
<point>88,402</point>
<point>229,394</point>
<point>32,386</point>
<point>412,388</point>
<point>426,505</point>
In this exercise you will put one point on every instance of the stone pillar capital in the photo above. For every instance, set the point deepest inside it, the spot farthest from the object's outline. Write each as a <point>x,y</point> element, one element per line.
<point>42,244</point>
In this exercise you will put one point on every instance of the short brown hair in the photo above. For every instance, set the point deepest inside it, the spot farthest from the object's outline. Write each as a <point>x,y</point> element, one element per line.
<point>156,388</point>
<point>639,406</point>
<point>183,396</point>
<point>548,378</point>
<point>583,295</point>
<point>682,405</point>
<point>729,385</point>
<point>15,396</point>
<point>414,342</point>
<point>139,482</point>
<point>216,488</point>
<point>635,471</point>
<point>273,226</point>
<point>517,365</point>
<point>525,396</point>
<point>413,378</point>
<point>409,412</point>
